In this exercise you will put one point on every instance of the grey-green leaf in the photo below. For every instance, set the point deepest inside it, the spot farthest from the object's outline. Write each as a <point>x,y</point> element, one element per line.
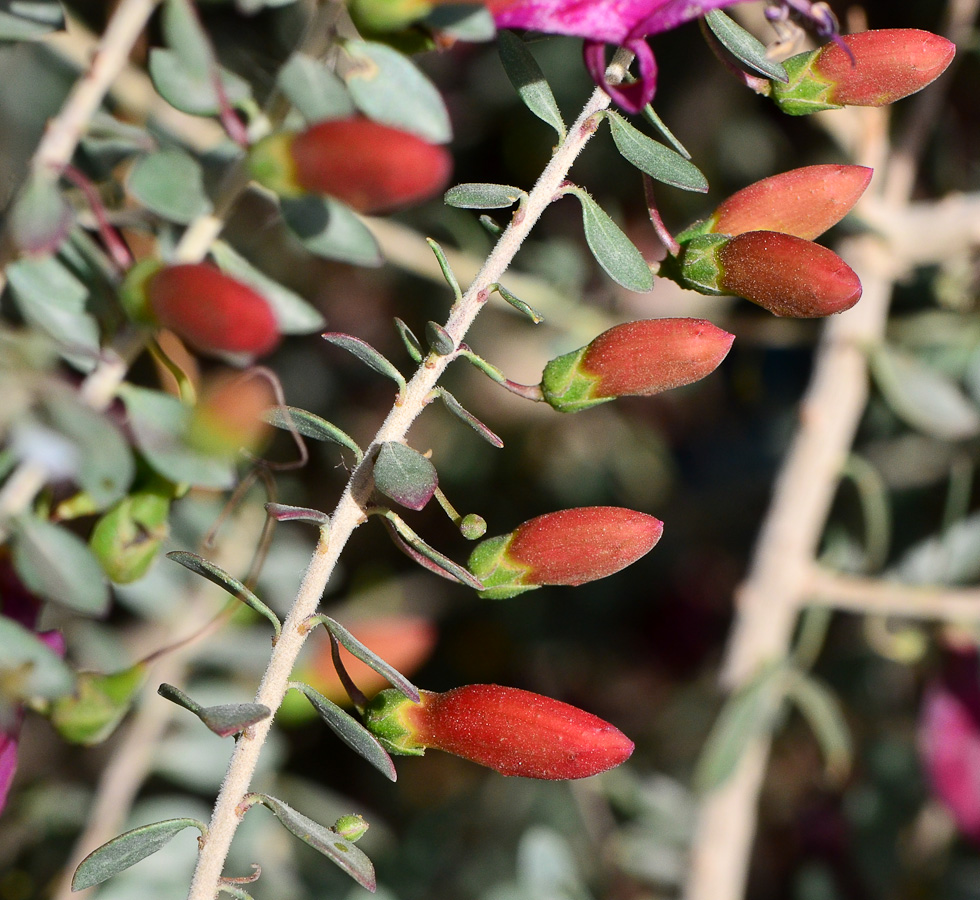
<point>190,92</point>
<point>744,45</point>
<point>314,89</point>
<point>350,731</point>
<point>329,229</point>
<point>824,713</point>
<point>458,410</point>
<point>923,397</point>
<point>312,426</point>
<point>225,719</point>
<point>483,196</point>
<point>282,512</point>
<point>611,248</point>
<point>525,74</point>
<point>59,566</point>
<point>28,666</point>
<point>220,577</point>
<point>657,160</point>
<point>405,475</point>
<point>426,556</point>
<point>367,355</point>
<point>387,87</point>
<point>159,422</point>
<point>293,314</point>
<point>462,22</point>
<point>170,183</point>
<point>41,217</point>
<point>369,657</point>
<point>339,850</point>
<point>29,20</point>
<point>128,849</point>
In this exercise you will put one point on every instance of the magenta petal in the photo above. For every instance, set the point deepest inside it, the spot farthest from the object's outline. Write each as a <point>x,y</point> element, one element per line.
<point>631,97</point>
<point>8,756</point>
<point>668,14</point>
<point>609,23</point>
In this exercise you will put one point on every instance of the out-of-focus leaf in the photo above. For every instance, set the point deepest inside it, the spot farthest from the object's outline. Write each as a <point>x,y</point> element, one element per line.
<point>922,397</point>
<point>59,566</point>
<point>28,20</point>
<point>314,89</point>
<point>611,248</point>
<point>744,46</point>
<point>170,183</point>
<point>650,156</point>
<point>951,558</point>
<point>405,475</point>
<point>329,229</point>
<point>462,22</point>
<point>387,87</point>
<point>41,217</point>
<point>99,704</point>
<point>337,849</point>
<point>28,666</point>
<point>128,849</point>
<point>824,713</point>
<point>190,92</point>
<point>525,74</point>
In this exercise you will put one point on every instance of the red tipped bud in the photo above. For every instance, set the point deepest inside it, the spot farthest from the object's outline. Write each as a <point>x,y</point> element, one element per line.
<point>369,166</point>
<point>802,202</point>
<point>888,64</point>
<point>568,547</point>
<point>635,359</point>
<point>209,310</point>
<point>506,729</point>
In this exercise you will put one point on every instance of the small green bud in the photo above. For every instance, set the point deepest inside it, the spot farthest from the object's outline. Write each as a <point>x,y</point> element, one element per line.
<point>352,827</point>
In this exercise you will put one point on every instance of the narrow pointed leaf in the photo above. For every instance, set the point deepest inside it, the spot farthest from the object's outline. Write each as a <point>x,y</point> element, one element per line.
<point>405,475</point>
<point>369,657</point>
<point>128,849</point>
<point>525,74</point>
<point>447,271</point>
<point>483,196</point>
<point>651,116</point>
<point>650,156</point>
<point>519,304</point>
<point>312,426</point>
<point>339,850</point>
<point>315,90</point>
<point>428,557</point>
<point>824,713</point>
<point>350,731</point>
<point>411,342</point>
<point>329,229</point>
<point>235,892</point>
<point>611,248</point>
<point>744,45</point>
<point>29,667</point>
<point>58,565</point>
<point>458,410</point>
<point>225,719</point>
<point>283,513</point>
<point>367,355</point>
<point>220,577</point>
<point>98,705</point>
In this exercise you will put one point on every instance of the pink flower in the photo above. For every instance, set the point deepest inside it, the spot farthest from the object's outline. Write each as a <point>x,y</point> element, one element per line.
<point>623,23</point>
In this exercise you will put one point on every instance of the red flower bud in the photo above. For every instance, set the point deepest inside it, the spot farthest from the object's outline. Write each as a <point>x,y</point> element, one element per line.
<point>211,311</point>
<point>506,729</point>
<point>802,202</point>
<point>635,359</point>
<point>888,64</point>
<point>568,547</point>
<point>787,275</point>
<point>367,165</point>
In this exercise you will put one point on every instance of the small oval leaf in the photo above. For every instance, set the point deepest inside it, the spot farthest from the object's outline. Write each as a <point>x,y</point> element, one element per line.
<point>329,229</point>
<point>525,74</point>
<point>170,183</point>
<point>611,248</point>
<point>315,90</point>
<point>350,731</point>
<point>41,217</point>
<point>650,156</point>
<point>128,849</point>
<point>337,849</point>
<point>405,475</point>
<point>189,91</point>
<point>29,667</point>
<point>483,196</point>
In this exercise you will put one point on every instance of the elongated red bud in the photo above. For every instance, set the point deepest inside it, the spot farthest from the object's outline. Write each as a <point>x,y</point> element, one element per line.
<point>209,310</point>
<point>511,731</point>
<point>635,359</point>
<point>568,547</point>
<point>888,64</point>
<point>802,202</point>
<point>369,166</point>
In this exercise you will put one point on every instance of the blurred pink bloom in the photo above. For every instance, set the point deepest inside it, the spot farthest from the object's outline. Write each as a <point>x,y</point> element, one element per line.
<point>949,740</point>
<point>623,23</point>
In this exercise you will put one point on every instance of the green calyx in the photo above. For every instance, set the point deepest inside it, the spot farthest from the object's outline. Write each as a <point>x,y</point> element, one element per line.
<point>698,268</point>
<point>270,163</point>
<point>566,387</point>
<point>127,537</point>
<point>805,92</point>
<point>501,577</point>
<point>385,718</point>
<point>132,292</point>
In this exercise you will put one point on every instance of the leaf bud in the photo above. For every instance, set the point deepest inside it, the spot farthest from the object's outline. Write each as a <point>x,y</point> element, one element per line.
<point>369,166</point>
<point>568,547</point>
<point>887,65</point>
<point>635,359</point>
<point>207,309</point>
<point>779,272</point>
<point>803,202</point>
<point>351,827</point>
<point>511,731</point>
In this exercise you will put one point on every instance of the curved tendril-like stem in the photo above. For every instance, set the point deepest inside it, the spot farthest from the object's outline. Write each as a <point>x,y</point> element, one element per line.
<point>350,510</point>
